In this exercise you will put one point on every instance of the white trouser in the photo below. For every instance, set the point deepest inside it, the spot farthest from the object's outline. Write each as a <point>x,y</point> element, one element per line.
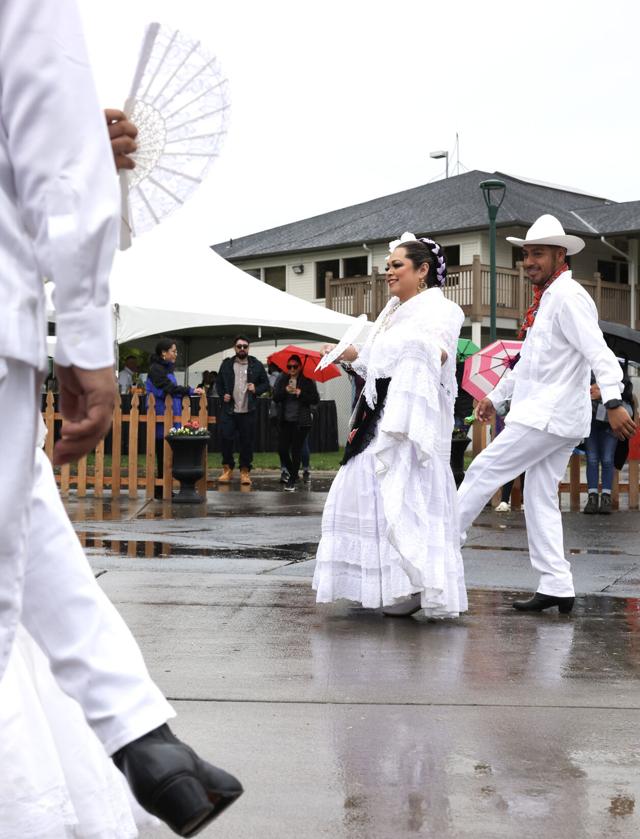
<point>92,653</point>
<point>544,458</point>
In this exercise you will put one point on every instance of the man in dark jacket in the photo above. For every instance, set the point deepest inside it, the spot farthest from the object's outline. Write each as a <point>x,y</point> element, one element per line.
<point>241,380</point>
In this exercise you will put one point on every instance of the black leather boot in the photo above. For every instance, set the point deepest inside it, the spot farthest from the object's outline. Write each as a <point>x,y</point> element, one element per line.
<point>591,507</point>
<point>605,504</point>
<point>170,781</point>
<point>539,602</point>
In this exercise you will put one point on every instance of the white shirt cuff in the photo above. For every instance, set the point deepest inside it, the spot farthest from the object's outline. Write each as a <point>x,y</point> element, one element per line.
<point>85,338</point>
<point>610,392</point>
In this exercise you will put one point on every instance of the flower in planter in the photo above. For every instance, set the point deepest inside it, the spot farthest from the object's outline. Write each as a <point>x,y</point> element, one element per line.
<point>189,429</point>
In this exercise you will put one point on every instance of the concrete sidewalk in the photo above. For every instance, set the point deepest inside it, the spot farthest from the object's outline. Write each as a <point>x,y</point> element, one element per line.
<point>344,724</point>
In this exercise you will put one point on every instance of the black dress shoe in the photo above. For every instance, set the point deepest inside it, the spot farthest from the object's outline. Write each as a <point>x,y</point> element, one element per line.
<point>544,601</point>
<point>170,781</point>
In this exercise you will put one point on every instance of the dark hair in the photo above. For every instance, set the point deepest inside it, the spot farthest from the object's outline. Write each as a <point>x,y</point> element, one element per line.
<point>427,251</point>
<point>163,345</point>
<point>241,338</point>
<point>295,358</point>
<point>128,357</point>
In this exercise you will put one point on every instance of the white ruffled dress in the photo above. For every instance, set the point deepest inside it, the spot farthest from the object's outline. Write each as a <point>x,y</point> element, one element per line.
<point>390,522</point>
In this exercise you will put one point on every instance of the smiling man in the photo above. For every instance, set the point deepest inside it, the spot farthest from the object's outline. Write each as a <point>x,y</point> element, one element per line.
<point>550,407</point>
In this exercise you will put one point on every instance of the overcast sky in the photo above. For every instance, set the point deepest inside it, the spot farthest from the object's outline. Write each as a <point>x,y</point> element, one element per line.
<point>334,103</point>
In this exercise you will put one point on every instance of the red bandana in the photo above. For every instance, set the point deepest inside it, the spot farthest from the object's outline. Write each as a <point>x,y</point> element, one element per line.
<point>538,291</point>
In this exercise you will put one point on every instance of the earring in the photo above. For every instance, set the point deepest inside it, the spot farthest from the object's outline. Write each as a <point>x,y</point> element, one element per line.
<point>422,285</point>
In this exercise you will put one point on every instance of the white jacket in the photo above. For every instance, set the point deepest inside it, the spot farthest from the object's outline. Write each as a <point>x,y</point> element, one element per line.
<point>549,387</point>
<point>58,188</point>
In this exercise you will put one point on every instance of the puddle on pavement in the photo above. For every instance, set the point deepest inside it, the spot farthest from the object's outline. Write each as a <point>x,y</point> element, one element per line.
<point>96,544</point>
<point>572,551</point>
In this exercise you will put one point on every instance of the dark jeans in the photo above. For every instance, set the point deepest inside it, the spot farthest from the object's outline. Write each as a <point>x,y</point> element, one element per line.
<point>290,442</point>
<point>506,489</point>
<point>305,455</point>
<point>601,448</point>
<point>242,427</point>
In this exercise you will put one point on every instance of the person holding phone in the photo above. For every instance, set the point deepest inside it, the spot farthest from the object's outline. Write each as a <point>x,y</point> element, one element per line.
<point>295,394</point>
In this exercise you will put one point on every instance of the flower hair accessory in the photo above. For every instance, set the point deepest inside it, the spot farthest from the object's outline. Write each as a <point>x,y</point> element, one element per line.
<point>406,237</point>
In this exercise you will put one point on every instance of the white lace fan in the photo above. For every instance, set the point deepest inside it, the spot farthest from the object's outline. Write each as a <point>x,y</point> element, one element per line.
<point>179,103</point>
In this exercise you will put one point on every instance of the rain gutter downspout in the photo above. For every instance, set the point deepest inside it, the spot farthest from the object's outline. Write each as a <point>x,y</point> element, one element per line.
<point>631,258</point>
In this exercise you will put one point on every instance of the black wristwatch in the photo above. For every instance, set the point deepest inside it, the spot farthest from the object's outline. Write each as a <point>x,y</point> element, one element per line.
<point>613,403</point>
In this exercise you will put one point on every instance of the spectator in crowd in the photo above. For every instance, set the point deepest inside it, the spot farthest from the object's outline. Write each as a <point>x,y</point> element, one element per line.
<point>294,393</point>
<point>241,380</point>
<point>208,383</point>
<point>162,382</point>
<point>601,446</point>
<point>463,406</point>
<point>128,376</point>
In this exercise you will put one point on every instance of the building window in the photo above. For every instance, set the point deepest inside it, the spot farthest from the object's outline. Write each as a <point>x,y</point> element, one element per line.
<point>356,266</point>
<point>322,269</point>
<point>253,272</point>
<point>276,276</point>
<point>452,255</point>
<point>613,272</point>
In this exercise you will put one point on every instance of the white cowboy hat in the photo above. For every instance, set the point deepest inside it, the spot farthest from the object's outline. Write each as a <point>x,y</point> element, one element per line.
<point>547,230</point>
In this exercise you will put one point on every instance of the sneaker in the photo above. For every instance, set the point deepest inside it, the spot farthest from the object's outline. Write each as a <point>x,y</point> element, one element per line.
<point>503,507</point>
<point>290,486</point>
<point>284,476</point>
<point>591,507</point>
<point>306,476</point>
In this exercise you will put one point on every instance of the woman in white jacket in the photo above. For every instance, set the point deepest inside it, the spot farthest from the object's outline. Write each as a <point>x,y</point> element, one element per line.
<point>390,536</point>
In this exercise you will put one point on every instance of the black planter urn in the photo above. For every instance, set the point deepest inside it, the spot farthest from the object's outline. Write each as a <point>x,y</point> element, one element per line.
<point>188,455</point>
<point>458,448</point>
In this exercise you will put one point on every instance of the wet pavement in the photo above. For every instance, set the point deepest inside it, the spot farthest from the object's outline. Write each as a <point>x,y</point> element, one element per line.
<point>343,723</point>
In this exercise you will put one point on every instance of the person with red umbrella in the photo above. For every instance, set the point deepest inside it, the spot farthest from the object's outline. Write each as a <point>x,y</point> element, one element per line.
<point>550,407</point>
<point>294,394</point>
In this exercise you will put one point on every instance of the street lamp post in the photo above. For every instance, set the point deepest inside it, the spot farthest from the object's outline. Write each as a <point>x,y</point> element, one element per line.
<point>439,155</point>
<point>493,193</point>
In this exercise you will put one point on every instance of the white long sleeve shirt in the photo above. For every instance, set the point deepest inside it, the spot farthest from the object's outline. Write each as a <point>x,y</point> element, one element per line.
<point>549,387</point>
<point>58,188</point>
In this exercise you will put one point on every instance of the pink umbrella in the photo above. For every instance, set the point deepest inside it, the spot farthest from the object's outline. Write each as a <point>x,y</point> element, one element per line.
<point>484,369</point>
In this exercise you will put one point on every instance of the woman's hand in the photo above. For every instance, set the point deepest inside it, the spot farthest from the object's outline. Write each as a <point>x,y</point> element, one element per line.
<point>198,391</point>
<point>484,410</point>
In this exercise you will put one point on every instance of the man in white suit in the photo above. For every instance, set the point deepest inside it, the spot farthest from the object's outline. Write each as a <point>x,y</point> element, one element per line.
<point>59,218</point>
<point>550,407</point>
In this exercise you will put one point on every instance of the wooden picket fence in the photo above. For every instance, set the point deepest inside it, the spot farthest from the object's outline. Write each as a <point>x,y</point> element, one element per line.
<point>126,479</point>
<point>574,486</point>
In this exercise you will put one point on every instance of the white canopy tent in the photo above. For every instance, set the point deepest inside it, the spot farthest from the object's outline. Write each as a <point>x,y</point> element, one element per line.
<point>189,292</point>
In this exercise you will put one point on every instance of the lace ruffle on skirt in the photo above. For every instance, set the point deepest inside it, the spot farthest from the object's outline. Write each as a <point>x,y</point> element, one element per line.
<point>357,560</point>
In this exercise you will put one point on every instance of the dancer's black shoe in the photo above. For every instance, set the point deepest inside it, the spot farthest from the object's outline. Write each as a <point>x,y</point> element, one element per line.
<point>170,781</point>
<point>539,602</point>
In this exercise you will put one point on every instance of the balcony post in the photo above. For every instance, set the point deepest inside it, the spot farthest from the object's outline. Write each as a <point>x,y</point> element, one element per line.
<point>522,305</point>
<point>633,281</point>
<point>598,278</point>
<point>476,300</point>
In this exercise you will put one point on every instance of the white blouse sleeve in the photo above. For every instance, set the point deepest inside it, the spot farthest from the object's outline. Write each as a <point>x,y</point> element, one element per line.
<point>63,170</point>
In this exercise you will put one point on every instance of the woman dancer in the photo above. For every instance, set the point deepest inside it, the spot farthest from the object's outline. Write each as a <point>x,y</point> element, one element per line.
<point>389,528</point>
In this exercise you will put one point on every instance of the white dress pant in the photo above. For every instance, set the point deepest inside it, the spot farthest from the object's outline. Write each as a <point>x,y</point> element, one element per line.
<point>46,581</point>
<point>544,457</point>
